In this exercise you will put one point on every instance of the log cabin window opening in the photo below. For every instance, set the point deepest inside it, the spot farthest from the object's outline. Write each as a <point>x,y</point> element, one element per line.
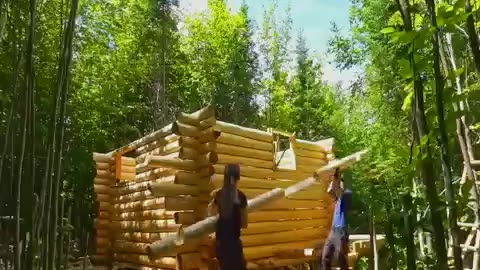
<point>284,154</point>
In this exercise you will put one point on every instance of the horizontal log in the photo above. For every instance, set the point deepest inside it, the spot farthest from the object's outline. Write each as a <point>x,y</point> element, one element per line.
<point>142,237</point>
<point>103,215</point>
<point>185,218</point>
<point>209,122</point>
<point>100,259</point>
<point>285,204</point>
<point>182,129</point>
<point>102,224</point>
<point>188,261</point>
<point>99,157</point>
<point>103,251</point>
<point>130,247</point>
<point>168,190</point>
<point>257,252</point>
<point>307,161</point>
<point>262,173</point>
<point>133,187</point>
<point>254,162</point>
<point>162,150</point>
<point>232,139</point>
<point>299,152</point>
<point>104,206</point>
<point>202,183</point>
<point>185,177</point>
<point>195,118</point>
<point>164,262</point>
<point>103,197</point>
<point>245,151</point>
<point>105,174</point>
<point>133,197</point>
<point>190,142</point>
<point>248,182</point>
<point>102,233</point>
<point>285,236</point>
<point>277,262</point>
<point>102,189</point>
<point>103,166</point>
<point>127,176</point>
<point>151,226</point>
<point>208,135</point>
<point>103,181</point>
<point>188,153</point>
<point>281,226</point>
<point>341,163</point>
<point>310,146</point>
<point>163,132</point>
<point>160,143</point>
<point>313,193</point>
<point>244,131</point>
<point>148,204</point>
<point>103,242</point>
<point>130,266</point>
<point>125,169</point>
<point>145,215</point>
<point>154,174</point>
<point>181,203</point>
<point>279,215</point>
<point>174,163</point>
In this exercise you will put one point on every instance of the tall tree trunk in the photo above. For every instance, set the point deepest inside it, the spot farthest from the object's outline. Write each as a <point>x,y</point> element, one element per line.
<point>408,214</point>
<point>63,85</point>
<point>390,237</point>
<point>472,35</point>
<point>425,163</point>
<point>443,140</point>
<point>29,78</point>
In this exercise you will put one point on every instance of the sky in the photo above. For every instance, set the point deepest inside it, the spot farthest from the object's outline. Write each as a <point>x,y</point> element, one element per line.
<point>313,17</point>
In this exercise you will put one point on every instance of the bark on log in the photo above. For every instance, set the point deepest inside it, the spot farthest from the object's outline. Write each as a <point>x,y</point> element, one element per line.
<point>151,226</point>
<point>243,152</point>
<point>181,203</point>
<point>145,215</point>
<point>285,236</point>
<point>167,130</point>
<point>257,252</point>
<point>244,131</point>
<point>195,118</point>
<point>165,262</point>
<point>232,139</point>
<point>185,130</point>
<point>281,226</point>
<point>191,178</point>
<point>169,190</point>
<point>245,161</point>
<point>149,204</point>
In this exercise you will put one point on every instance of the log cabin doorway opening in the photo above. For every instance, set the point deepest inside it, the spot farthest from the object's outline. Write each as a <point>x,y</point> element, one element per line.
<point>284,155</point>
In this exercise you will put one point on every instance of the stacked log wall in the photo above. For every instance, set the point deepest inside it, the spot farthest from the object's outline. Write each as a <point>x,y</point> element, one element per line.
<point>176,169</point>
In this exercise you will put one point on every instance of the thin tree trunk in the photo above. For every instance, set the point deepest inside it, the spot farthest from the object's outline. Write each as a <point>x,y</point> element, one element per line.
<point>426,164</point>
<point>62,233</point>
<point>69,233</point>
<point>408,211</point>
<point>472,36</point>
<point>443,140</point>
<point>390,237</point>
<point>63,85</point>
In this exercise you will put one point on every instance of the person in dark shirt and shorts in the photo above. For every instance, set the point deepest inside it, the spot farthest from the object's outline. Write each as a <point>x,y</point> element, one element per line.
<point>231,205</point>
<point>337,241</point>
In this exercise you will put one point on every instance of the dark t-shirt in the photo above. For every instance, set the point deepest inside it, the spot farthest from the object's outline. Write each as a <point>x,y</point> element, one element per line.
<point>229,227</point>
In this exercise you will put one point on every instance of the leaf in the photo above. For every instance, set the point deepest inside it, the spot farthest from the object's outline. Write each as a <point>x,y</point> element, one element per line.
<point>459,5</point>
<point>407,102</point>
<point>404,69</point>
<point>388,30</point>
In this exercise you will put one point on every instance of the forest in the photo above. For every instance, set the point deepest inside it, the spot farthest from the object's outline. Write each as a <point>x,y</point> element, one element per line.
<point>83,76</point>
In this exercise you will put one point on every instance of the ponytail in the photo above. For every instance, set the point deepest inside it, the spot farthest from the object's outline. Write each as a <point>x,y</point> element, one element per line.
<point>229,192</point>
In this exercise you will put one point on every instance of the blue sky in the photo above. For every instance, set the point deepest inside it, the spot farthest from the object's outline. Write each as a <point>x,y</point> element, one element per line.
<point>314,17</point>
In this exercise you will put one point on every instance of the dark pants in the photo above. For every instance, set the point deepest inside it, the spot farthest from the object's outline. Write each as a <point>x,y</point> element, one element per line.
<point>335,246</point>
<point>230,254</point>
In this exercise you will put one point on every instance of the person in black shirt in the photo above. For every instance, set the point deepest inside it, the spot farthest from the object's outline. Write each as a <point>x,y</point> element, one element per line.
<point>231,205</point>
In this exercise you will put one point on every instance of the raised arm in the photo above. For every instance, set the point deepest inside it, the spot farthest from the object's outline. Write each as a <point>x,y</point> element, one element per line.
<point>334,188</point>
<point>243,210</point>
